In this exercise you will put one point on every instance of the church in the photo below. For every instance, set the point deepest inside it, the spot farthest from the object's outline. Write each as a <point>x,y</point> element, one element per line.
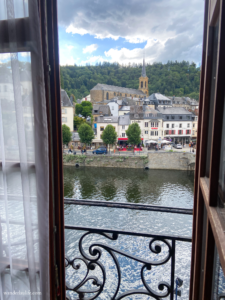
<point>102,92</point>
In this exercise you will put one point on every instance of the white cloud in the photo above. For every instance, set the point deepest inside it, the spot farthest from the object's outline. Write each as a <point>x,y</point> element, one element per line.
<point>25,54</point>
<point>175,25</point>
<point>70,47</point>
<point>90,49</point>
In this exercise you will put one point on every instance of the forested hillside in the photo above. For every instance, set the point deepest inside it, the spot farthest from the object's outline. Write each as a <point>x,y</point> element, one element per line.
<point>172,78</point>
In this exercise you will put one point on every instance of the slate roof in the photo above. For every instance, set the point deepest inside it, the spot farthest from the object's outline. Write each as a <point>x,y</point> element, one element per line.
<point>65,100</point>
<point>158,96</point>
<point>110,119</point>
<point>102,109</point>
<point>119,89</point>
<point>174,111</point>
<point>124,120</point>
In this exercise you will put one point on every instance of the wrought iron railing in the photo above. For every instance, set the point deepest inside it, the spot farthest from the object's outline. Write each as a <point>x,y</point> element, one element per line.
<point>92,259</point>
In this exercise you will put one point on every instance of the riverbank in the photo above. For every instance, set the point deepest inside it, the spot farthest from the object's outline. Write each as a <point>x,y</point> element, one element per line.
<point>154,160</point>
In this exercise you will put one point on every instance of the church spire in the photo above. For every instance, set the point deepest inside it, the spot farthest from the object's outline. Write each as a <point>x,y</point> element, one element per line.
<point>143,74</point>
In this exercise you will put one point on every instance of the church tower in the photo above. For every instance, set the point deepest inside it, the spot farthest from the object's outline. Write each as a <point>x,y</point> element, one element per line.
<point>143,80</point>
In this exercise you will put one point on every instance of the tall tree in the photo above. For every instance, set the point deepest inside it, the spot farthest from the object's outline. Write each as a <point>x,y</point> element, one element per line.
<point>86,133</point>
<point>77,121</point>
<point>109,135</point>
<point>134,134</point>
<point>67,135</point>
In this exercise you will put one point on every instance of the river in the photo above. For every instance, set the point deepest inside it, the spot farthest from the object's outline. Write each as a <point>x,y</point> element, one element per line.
<point>156,187</point>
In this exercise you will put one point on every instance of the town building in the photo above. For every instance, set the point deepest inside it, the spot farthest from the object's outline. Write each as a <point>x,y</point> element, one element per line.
<point>123,124</point>
<point>100,110</point>
<point>194,127</point>
<point>100,92</point>
<point>177,124</point>
<point>124,110</point>
<point>114,107</point>
<point>86,98</point>
<point>150,122</point>
<point>161,99</point>
<point>67,110</point>
<point>185,102</point>
<point>102,122</point>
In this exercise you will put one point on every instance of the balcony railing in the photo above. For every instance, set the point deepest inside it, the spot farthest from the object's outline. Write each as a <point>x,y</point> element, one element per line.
<point>91,257</point>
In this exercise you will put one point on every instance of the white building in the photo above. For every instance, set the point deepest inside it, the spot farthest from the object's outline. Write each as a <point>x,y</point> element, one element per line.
<point>101,124</point>
<point>67,110</point>
<point>124,110</point>
<point>87,98</point>
<point>162,101</point>
<point>114,108</point>
<point>123,124</point>
<point>177,124</point>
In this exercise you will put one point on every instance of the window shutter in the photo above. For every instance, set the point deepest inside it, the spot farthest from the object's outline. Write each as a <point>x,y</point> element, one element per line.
<point>181,131</point>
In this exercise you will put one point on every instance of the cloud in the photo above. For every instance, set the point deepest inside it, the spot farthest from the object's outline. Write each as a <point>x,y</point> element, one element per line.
<point>175,25</point>
<point>70,47</point>
<point>90,49</point>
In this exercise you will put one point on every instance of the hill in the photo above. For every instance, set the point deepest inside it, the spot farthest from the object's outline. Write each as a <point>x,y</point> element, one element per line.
<point>172,78</point>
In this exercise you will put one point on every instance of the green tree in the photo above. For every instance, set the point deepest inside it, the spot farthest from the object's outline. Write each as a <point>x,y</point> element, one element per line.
<point>77,121</point>
<point>109,135</point>
<point>67,135</point>
<point>86,133</point>
<point>74,98</point>
<point>78,109</point>
<point>134,134</point>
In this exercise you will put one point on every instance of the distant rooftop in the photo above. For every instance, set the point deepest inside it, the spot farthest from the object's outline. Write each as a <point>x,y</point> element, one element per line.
<point>101,109</point>
<point>124,120</point>
<point>65,100</point>
<point>158,96</point>
<point>105,119</point>
<point>127,108</point>
<point>174,111</point>
<point>119,89</point>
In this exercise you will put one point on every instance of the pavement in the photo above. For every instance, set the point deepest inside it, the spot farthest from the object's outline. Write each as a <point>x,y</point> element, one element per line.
<point>130,153</point>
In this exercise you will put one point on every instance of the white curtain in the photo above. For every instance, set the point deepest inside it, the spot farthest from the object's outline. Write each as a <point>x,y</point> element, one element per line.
<point>24,167</point>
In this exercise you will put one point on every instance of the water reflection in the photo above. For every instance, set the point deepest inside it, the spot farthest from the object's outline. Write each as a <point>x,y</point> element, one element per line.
<point>161,187</point>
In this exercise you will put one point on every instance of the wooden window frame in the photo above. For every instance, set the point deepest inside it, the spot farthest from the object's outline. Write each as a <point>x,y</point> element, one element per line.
<point>206,234</point>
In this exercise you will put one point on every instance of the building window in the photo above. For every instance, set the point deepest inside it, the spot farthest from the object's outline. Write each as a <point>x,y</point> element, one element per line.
<point>120,94</point>
<point>180,131</point>
<point>146,124</point>
<point>152,124</point>
<point>125,95</point>
<point>64,120</point>
<point>188,117</point>
<point>180,117</point>
<point>180,125</point>
<point>156,124</point>
<point>152,132</point>
<point>167,117</point>
<point>173,131</point>
<point>107,96</point>
<point>188,125</point>
<point>123,134</point>
<point>114,94</point>
<point>96,119</point>
<point>194,125</point>
<point>156,133</point>
<point>101,128</point>
<point>142,84</point>
<point>167,125</point>
<point>172,117</point>
<point>188,131</point>
<point>123,127</point>
<point>145,84</point>
<point>95,111</point>
<point>64,111</point>
<point>146,132</point>
<point>173,125</point>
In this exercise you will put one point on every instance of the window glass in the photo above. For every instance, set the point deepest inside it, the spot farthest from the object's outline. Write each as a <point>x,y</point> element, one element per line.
<point>218,288</point>
<point>211,100</point>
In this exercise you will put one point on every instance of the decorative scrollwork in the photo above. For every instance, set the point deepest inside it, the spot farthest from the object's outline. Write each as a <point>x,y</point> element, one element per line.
<point>91,260</point>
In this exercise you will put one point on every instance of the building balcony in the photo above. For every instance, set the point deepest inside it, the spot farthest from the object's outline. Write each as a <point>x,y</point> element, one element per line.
<point>100,249</point>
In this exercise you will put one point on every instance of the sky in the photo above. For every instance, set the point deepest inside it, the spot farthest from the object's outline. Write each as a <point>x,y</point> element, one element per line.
<point>125,31</point>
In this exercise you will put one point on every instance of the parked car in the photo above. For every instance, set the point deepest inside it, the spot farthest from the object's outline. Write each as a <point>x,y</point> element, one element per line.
<point>100,150</point>
<point>177,146</point>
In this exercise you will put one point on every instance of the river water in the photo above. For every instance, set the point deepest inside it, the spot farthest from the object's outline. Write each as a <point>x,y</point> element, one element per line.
<point>156,187</point>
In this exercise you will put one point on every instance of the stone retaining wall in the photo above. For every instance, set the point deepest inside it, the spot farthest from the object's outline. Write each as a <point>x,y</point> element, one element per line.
<point>153,160</point>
